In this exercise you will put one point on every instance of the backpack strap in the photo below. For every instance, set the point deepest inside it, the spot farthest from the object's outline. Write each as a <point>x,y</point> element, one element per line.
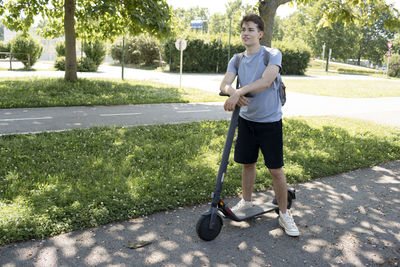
<point>239,57</point>
<point>282,87</point>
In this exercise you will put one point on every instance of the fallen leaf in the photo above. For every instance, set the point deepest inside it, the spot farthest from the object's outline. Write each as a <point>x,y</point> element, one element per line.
<point>139,244</point>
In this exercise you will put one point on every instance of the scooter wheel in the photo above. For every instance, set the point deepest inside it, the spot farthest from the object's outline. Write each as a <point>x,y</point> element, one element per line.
<point>203,227</point>
<point>289,202</point>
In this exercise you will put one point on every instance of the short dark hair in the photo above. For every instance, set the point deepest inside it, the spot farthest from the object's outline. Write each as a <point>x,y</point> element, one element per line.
<point>254,18</point>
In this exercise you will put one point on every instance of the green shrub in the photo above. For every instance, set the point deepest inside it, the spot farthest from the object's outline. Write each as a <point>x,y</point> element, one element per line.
<point>60,63</point>
<point>356,71</point>
<point>209,55</point>
<point>200,55</point>
<point>295,57</point>
<point>84,64</point>
<point>142,49</point>
<point>394,66</point>
<point>148,48</point>
<point>24,44</point>
<point>4,47</point>
<point>95,51</point>
<point>60,49</point>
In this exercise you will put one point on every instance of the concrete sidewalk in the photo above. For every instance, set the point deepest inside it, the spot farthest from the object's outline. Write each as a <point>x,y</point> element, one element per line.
<point>350,219</point>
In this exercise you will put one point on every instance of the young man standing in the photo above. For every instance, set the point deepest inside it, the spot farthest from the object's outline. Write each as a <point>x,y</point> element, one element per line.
<point>260,120</point>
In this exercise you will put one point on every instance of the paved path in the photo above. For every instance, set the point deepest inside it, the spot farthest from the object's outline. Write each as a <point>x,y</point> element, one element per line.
<point>350,219</point>
<point>31,120</point>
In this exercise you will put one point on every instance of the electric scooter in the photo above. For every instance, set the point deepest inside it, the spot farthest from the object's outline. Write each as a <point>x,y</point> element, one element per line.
<point>210,223</point>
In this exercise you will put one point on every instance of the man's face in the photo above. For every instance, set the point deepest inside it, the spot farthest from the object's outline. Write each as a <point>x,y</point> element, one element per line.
<point>250,33</point>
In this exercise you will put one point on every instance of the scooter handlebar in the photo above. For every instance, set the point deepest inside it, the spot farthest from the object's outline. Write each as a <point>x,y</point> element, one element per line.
<point>223,94</point>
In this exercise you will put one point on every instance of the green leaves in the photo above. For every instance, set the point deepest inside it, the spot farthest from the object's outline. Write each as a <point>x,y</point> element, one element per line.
<point>93,20</point>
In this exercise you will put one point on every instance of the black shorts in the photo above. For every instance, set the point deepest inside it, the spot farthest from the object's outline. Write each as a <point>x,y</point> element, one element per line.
<point>255,135</point>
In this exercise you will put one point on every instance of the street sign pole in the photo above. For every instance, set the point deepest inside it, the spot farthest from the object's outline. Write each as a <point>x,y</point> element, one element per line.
<point>180,44</point>
<point>388,54</point>
<point>387,69</point>
<point>180,71</point>
<point>123,58</point>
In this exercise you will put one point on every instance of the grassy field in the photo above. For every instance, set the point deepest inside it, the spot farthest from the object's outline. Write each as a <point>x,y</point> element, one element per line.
<point>345,88</point>
<point>44,92</point>
<point>56,182</point>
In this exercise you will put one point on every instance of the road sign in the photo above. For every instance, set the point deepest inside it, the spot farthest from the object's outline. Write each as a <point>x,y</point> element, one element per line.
<point>383,67</point>
<point>180,44</point>
<point>388,53</point>
<point>389,44</point>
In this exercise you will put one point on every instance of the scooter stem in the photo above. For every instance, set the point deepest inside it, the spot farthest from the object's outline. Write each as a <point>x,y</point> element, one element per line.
<point>225,156</point>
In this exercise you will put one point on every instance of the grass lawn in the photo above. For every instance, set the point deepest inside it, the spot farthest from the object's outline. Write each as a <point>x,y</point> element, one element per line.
<point>56,182</point>
<point>345,88</point>
<point>44,92</point>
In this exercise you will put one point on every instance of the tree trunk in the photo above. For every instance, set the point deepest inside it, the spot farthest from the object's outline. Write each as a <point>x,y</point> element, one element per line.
<point>70,41</point>
<point>267,10</point>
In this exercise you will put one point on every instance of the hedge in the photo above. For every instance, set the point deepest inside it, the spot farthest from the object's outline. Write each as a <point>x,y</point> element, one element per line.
<point>357,71</point>
<point>4,47</point>
<point>394,66</point>
<point>207,56</point>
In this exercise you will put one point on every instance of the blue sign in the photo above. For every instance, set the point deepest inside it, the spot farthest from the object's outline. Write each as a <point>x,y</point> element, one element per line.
<point>196,24</point>
<point>383,67</point>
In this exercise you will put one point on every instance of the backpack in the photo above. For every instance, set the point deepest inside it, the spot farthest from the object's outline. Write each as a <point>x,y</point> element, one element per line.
<point>282,87</point>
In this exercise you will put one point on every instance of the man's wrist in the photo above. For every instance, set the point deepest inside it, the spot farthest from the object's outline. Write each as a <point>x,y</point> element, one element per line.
<point>231,90</point>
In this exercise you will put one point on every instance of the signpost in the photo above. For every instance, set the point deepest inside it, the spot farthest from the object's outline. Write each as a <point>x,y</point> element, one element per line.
<point>323,54</point>
<point>388,55</point>
<point>180,44</point>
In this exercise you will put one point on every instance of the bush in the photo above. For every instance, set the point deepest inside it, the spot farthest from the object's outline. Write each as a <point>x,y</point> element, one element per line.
<point>60,49</point>
<point>4,47</point>
<point>148,48</point>
<point>95,51</point>
<point>394,66</point>
<point>356,71</point>
<point>207,56</point>
<point>142,49</point>
<point>24,44</point>
<point>200,55</point>
<point>295,57</point>
<point>60,63</point>
<point>86,64</point>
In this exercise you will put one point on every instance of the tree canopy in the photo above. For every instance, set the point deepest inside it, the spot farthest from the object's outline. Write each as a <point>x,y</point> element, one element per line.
<point>86,19</point>
<point>351,40</point>
<point>358,12</point>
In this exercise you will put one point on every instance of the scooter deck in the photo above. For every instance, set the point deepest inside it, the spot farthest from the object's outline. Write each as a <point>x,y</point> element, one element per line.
<point>255,210</point>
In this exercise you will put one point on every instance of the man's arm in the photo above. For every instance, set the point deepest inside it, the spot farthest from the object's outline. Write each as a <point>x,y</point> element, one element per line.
<point>226,84</point>
<point>268,77</point>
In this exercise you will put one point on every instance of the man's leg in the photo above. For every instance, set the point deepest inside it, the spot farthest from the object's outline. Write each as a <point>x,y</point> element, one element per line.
<point>280,188</point>
<point>248,179</point>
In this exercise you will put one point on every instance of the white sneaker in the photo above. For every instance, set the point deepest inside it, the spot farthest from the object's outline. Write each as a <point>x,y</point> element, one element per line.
<point>286,222</point>
<point>242,205</point>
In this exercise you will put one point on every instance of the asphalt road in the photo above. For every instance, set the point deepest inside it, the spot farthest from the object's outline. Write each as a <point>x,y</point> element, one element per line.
<point>33,120</point>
